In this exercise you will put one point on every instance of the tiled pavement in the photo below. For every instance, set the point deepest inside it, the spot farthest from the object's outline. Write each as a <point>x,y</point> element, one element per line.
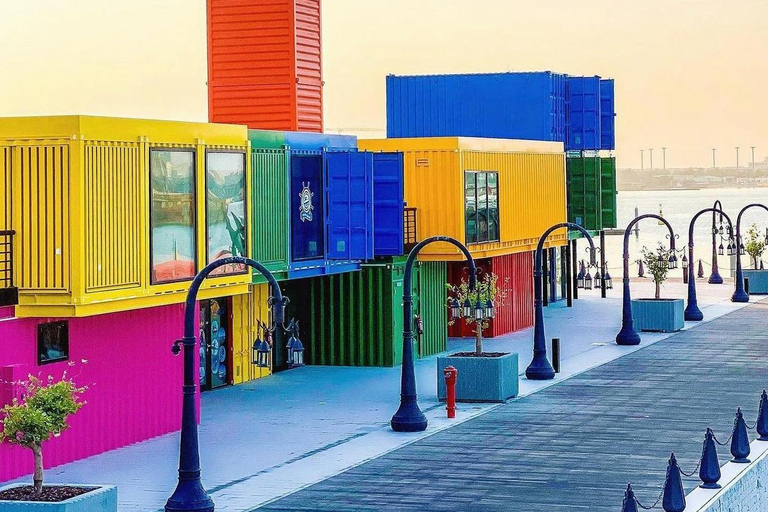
<point>573,446</point>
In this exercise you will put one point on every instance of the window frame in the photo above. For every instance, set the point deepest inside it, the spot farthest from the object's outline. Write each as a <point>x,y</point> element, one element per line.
<point>487,239</point>
<point>193,151</point>
<point>245,211</point>
<point>40,327</point>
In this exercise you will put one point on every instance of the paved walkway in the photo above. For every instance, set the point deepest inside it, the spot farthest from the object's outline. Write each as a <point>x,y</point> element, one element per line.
<point>573,446</point>
<point>265,439</point>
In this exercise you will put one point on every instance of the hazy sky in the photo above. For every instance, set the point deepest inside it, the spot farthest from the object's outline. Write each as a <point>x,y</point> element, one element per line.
<point>690,74</point>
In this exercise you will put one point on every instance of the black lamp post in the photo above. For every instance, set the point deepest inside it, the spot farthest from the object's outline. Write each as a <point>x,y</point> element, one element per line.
<point>692,311</point>
<point>190,495</point>
<point>540,367</point>
<point>715,277</point>
<point>409,417</point>
<point>740,294</point>
<point>628,335</point>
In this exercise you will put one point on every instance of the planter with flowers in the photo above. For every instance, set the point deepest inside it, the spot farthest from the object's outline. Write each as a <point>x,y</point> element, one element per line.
<point>758,277</point>
<point>657,314</point>
<point>482,376</point>
<point>41,414</point>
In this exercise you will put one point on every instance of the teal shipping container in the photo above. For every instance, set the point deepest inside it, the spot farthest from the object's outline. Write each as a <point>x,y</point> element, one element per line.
<point>356,319</point>
<point>591,189</point>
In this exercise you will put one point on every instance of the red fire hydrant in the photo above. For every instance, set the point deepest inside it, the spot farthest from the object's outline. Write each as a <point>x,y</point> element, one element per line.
<point>451,375</point>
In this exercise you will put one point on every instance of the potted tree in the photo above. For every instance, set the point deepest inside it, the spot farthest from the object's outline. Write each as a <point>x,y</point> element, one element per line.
<point>755,246</point>
<point>42,413</point>
<point>657,314</point>
<point>482,376</point>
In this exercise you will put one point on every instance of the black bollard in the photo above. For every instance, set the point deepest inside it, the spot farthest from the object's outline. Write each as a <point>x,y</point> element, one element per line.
<point>762,418</point>
<point>673,499</point>
<point>709,471</point>
<point>701,269</point>
<point>746,285</point>
<point>556,354</point>
<point>630,502</point>
<point>740,440</point>
<point>640,269</point>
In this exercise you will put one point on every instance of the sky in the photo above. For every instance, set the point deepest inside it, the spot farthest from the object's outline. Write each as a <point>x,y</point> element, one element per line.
<point>690,74</point>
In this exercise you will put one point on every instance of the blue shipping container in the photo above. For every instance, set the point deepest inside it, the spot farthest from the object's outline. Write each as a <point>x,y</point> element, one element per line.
<point>388,204</point>
<point>583,113</point>
<point>607,115</point>
<point>319,141</point>
<point>497,105</point>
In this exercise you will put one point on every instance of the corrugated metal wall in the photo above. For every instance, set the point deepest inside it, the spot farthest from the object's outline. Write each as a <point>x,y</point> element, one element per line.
<point>515,273</point>
<point>43,207</point>
<point>584,192</point>
<point>114,188</point>
<point>270,210</point>
<point>264,63</point>
<point>608,192</point>
<point>356,318</point>
<point>247,310</point>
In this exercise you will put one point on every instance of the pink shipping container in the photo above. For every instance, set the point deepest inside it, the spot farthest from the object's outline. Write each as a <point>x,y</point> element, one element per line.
<point>134,381</point>
<point>515,273</point>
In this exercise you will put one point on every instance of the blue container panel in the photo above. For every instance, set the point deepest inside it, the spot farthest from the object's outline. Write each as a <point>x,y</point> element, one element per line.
<point>318,141</point>
<point>307,208</point>
<point>583,113</point>
<point>500,105</point>
<point>607,115</point>
<point>350,205</point>
<point>388,200</point>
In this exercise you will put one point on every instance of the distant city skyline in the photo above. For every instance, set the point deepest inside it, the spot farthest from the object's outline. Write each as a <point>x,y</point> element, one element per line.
<point>689,74</point>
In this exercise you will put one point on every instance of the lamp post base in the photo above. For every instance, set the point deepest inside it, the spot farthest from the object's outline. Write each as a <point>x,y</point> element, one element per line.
<point>189,496</point>
<point>409,418</point>
<point>540,369</point>
<point>740,296</point>
<point>715,279</point>
<point>628,336</point>
<point>693,314</point>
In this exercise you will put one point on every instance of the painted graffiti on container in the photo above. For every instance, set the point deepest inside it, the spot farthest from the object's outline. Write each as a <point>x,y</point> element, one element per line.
<point>305,203</point>
<point>172,215</point>
<point>225,208</point>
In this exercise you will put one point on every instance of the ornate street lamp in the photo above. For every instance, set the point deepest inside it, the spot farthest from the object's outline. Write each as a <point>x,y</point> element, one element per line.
<point>581,277</point>
<point>190,495</point>
<point>715,277</point>
<point>262,348</point>
<point>692,311</point>
<point>607,278</point>
<point>740,294</point>
<point>628,335</point>
<point>294,346</point>
<point>540,367</point>
<point>409,417</point>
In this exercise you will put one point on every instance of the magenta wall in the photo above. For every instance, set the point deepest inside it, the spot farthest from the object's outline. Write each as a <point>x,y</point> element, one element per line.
<point>135,381</point>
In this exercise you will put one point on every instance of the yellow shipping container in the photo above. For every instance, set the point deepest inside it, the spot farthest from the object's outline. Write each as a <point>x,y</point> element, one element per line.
<point>497,196</point>
<point>248,310</point>
<point>115,214</point>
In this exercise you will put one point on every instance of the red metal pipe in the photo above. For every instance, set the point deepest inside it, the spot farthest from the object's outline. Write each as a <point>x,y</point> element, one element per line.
<point>451,374</point>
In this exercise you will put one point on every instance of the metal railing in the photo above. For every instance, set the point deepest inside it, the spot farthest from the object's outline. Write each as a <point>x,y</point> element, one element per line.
<point>8,293</point>
<point>409,229</point>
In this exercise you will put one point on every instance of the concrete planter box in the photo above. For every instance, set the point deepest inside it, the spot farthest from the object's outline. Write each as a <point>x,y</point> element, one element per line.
<point>758,281</point>
<point>661,315</point>
<point>102,499</point>
<point>481,379</point>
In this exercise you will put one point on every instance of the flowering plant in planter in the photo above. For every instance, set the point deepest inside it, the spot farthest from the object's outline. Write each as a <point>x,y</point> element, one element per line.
<point>657,264</point>
<point>486,291</point>
<point>41,413</point>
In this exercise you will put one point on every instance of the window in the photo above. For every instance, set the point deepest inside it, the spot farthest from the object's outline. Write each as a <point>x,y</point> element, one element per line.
<point>52,342</point>
<point>172,215</point>
<point>481,206</point>
<point>225,208</point>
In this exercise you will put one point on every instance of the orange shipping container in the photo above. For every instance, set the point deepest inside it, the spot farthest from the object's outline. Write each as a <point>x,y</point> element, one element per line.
<point>497,196</point>
<point>264,64</point>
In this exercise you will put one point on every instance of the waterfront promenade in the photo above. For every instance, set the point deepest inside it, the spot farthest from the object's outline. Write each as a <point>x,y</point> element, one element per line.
<point>269,438</point>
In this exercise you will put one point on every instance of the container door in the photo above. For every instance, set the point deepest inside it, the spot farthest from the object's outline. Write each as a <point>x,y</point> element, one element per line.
<point>307,208</point>
<point>350,205</point>
<point>608,192</point>
<point>583,114</point>
<point>215,343</point>
<point>607,115</point>
<point>388,203</point>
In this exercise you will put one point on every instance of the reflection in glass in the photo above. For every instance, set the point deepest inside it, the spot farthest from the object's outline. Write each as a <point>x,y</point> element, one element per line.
<point>482,207</point>
<point>225,208</point>
<point>172,213</point>
<point>493,206</point>
<point>470,204</point>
